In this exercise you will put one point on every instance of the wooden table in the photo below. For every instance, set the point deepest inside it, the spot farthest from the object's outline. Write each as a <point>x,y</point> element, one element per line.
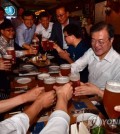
<point>49,110</point>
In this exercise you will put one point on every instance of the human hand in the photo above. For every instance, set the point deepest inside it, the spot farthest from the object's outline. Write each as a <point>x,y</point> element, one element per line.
<point>58,49</point>
<point>32,94</point>
<point>5,65</point>
<point>117,108</point>
<point>47,99</point>
<point>86,89</point>
<point>32,50</point>
<point>64,91</point>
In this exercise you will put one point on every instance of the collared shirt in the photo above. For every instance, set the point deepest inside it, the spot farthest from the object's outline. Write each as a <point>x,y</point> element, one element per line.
<point>65,46</point>
<point>17,124</point>
<point>58,124</point>
<point>46,33</point>
<point>24,35</point>
<point>4,44</point>
<point>100,71</point>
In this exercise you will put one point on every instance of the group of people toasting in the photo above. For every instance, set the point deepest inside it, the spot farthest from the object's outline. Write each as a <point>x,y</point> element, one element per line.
<point>96,64</point>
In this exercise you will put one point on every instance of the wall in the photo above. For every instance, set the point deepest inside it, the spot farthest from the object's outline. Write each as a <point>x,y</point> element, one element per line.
<point>114,19</point>
<point>100,12</point>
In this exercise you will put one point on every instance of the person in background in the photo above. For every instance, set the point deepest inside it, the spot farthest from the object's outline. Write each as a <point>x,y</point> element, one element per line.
<point>57,35</point>
<point>102,60</point>
<point>44,28</point>
<point>7,33</point>
<point>63,18</point>
<point>2,16</point>
<point>25,32</point>
<point>58,121</point>
<point>18,20</point>
<point>73,38</point>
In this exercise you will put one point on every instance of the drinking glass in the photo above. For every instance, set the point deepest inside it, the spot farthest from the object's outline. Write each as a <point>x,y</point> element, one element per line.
<point>65,69</point>
<point>61,80</point>
<point>111,98</point>
<point>75,79</point>
<point>11,51</point>
<point>49,83</point>
<point>41,78</point>
<point>35,44</point>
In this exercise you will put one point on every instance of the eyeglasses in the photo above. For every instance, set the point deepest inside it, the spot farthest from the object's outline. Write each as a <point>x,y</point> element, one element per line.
<point>60,15</point>
<point>100,42</point>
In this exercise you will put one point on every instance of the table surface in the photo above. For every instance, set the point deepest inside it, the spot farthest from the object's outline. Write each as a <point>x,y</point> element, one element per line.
<point>34,82</point>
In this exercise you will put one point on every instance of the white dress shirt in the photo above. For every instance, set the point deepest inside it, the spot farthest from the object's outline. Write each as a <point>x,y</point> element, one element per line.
<point>17,124</point>
<point>46,33</point>
<point>100,71</point>
<point>58,124</point>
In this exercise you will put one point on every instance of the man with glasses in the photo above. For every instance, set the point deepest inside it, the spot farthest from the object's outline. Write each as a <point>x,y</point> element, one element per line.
<point>25,32</point>
<point>102,60</point>
<point>57,35</point>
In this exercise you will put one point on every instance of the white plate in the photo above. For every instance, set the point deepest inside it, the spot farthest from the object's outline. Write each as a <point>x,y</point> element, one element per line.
<point>96,120</point>
<point>50,57</point>
<point>28,66</point>
<point>54,68</point>
<point>24,80</point>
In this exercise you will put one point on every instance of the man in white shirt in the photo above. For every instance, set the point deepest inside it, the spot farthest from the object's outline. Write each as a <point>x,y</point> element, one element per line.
<point>45,27</point>
<point>102,60</point>
<point>58,121</point>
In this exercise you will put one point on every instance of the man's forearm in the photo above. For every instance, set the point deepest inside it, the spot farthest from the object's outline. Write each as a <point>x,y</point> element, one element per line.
<point>61,104</point>
<point>33,110</point>
<point>8,104</point>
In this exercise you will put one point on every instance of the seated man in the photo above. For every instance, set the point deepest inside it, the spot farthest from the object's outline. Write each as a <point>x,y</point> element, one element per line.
<point>25,32</point>
<point>6,37</point>
<point>45,27</point>
<point>58,121</point>
<point>77,47</point>
<point>102,60</point>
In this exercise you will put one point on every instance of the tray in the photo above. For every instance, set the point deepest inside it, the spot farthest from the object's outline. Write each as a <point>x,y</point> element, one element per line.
<point>39,63</point>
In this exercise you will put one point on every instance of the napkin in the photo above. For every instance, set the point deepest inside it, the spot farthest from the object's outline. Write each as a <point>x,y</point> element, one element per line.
<point>82,129</point>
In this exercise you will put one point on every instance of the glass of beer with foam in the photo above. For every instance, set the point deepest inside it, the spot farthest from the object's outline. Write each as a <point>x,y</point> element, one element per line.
<point>111,99</point>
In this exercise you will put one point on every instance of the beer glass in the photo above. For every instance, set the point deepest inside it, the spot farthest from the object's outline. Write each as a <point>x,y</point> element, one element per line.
<point>61,80</point>
<point>45,44</point>
<point>75,79</point>
<point>65,69</point>
<point>49,83</point>
<point>11,51</point>
<point>41,78</point>
<point>7,57</point>
<point>35,44</point>
<point>51,43</point>
<point>111,98</point>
